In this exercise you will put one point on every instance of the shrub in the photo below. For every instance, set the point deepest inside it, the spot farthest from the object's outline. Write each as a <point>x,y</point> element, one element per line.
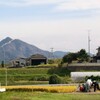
<point>97,78</point>
<point>61,71</point>
<point>54,79</point>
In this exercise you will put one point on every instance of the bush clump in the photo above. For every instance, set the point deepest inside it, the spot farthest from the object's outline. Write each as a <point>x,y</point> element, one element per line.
<point>55,79</point>
<point>97,78</point>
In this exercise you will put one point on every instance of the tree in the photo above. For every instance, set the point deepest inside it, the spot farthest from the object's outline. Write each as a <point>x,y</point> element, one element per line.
<point>80,56</point>
<point>69,58</point>
<point>54,79</point>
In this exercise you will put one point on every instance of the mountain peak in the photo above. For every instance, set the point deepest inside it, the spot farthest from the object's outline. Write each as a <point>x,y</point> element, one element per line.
<point>6,40</point>
<point>15,48</point>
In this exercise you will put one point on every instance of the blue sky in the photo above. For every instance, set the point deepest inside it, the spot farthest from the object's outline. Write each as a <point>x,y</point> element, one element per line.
<point>61,24</point>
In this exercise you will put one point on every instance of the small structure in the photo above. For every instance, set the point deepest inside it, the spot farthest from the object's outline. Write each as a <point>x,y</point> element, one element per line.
<point>37,59</point>
<point>97,57</point>
<point>19,62</point>
<point>80,76</point>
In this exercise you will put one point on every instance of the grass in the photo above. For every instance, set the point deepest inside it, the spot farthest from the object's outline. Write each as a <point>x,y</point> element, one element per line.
<point>47,96</point>
<point>17,71</point>
<point>18,75</point>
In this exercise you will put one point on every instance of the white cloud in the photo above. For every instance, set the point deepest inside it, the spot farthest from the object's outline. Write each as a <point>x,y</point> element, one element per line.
<point>21,3</point>
<point>60,5</point>
<point>73,5</point>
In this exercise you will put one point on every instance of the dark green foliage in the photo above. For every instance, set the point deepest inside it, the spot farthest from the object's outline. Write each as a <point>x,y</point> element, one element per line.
<point>97,78</point>
<point>80,56</point>
<point>69,58</point>
<point>54,79</point>
<point>61,71</point>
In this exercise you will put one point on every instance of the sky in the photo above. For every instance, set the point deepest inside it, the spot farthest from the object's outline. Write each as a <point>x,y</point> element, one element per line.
<point>60,24</point>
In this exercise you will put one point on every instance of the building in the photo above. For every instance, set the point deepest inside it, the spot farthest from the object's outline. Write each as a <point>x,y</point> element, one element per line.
<point>36,59</point>
<point>18,62</point>
<point>97,57</point>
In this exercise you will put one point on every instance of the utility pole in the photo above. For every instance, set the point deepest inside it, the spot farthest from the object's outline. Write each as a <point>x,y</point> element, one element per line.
<point>89,42</point>
<point>5,66</point>
<point>52,55</point>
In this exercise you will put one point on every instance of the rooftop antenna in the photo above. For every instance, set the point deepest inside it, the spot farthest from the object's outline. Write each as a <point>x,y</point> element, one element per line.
<point>89,42</point>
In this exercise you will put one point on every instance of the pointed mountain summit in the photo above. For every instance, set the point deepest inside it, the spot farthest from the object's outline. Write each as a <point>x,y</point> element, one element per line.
<point>15,48</point>
<point>6,40</point>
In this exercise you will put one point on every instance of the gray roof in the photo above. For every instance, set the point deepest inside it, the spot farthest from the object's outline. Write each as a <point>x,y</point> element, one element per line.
<point>38,56</point>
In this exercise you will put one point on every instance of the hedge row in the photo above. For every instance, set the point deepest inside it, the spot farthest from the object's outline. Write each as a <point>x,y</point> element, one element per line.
<point>97,78</point>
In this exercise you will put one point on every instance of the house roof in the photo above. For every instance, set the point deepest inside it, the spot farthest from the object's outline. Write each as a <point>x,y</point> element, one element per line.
<point>17,59</point>
<point>38,56</point>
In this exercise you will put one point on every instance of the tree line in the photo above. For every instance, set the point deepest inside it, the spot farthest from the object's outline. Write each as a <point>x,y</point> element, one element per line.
<point>80,56</point>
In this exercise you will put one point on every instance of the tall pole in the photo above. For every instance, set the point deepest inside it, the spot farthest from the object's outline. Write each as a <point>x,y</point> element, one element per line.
<point>5,67</point>
<point>52,52</point>
<point>89,42</point>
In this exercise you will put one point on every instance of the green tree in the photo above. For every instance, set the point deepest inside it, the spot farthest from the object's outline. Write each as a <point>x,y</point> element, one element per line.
<point>82,55</point>
<point>69,58</point>
<point>54,79</point>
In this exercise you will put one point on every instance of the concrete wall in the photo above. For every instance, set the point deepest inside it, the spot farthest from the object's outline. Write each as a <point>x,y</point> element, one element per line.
<point>84,67</point>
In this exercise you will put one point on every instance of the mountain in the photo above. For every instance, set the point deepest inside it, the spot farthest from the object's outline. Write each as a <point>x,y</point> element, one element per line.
<point>15,48</point>
<point>4,41</point>
<point>60,54</point>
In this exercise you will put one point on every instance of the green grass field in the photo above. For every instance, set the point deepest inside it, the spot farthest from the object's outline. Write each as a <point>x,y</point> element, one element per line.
<point>28,76</point>
<point>47,96</point>
<point>22,76</point>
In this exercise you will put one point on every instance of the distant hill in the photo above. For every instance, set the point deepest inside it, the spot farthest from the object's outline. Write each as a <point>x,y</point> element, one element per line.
<point>60,54</point>
<point>15,48</point>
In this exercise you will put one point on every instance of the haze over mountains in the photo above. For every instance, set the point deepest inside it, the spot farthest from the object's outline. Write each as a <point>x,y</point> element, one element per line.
<point>15,48</point>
